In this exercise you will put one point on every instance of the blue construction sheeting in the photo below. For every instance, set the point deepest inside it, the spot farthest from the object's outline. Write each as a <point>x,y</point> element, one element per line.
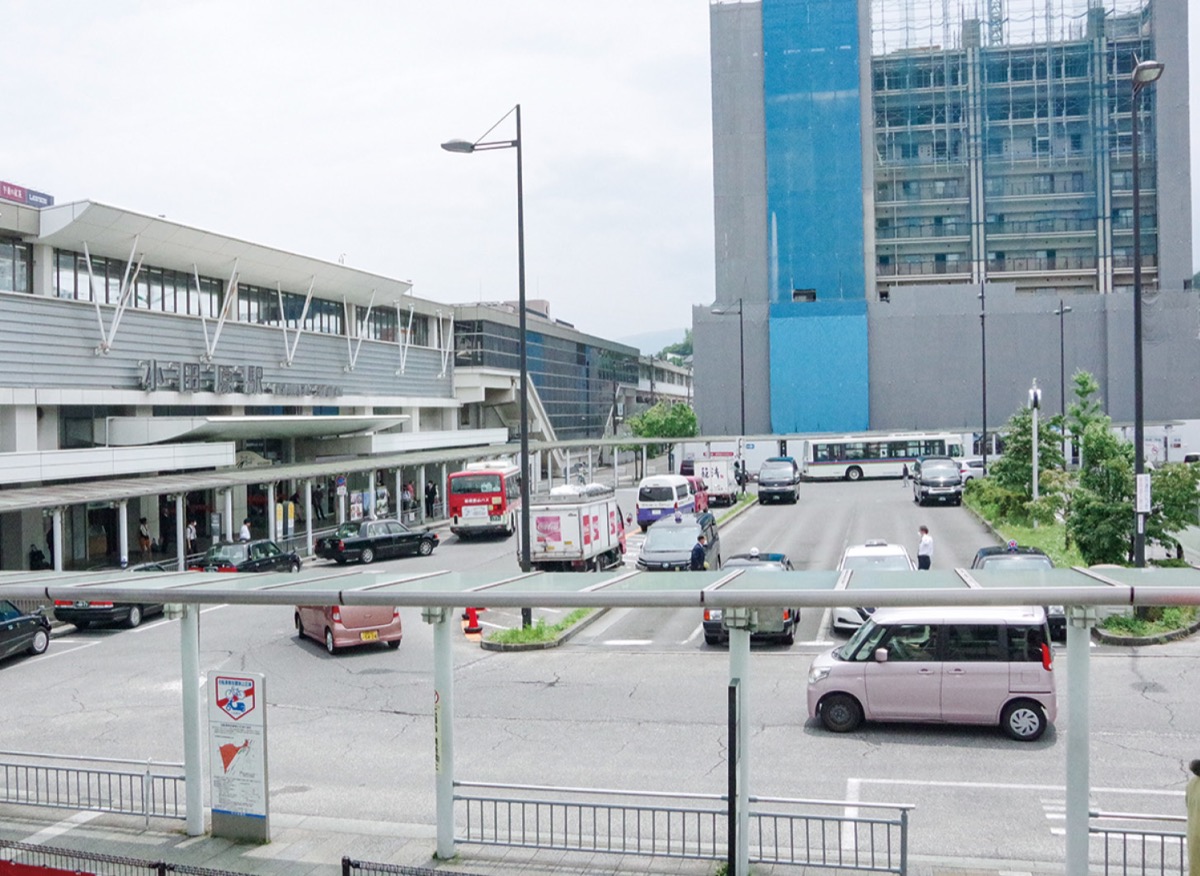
<point>819,374</point>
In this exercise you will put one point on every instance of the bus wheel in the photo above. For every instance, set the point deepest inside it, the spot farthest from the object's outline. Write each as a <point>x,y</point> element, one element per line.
<point>854,473</point>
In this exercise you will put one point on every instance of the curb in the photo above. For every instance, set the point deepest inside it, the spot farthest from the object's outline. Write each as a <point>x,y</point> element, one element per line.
<point>1108,638</point>
<point>565,636</point>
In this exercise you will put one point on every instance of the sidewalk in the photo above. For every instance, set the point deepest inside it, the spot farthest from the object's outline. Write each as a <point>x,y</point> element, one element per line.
<point>314,846</point>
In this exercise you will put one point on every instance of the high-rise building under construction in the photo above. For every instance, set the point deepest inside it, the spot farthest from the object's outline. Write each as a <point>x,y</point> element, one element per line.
<point>881,164</point>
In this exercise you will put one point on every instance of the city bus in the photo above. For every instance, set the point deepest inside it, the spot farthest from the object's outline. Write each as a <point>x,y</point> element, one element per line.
<point>484,497</point>
<point>874,455</point>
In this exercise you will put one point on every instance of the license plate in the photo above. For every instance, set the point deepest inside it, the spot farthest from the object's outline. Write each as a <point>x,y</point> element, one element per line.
<point>369,636</point>
<point>475,511</point>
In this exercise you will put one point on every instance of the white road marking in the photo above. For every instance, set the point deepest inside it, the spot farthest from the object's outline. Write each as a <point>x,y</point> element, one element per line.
<point>849,835</point>
<point>65,826</point>
<point>700,629</point>
<point>620,642</point>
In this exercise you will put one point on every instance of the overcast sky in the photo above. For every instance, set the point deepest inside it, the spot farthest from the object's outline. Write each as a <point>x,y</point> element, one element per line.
<point>315,127</point>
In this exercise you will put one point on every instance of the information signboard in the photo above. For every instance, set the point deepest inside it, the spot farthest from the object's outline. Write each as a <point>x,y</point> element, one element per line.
<point>237,751</point>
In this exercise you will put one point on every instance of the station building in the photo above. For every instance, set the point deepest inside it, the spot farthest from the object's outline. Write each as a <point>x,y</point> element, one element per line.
<point>135,346</point>
<point>886,172</point>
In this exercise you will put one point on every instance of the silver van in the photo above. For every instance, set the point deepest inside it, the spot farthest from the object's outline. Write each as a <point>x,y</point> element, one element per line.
<point>940,665</point>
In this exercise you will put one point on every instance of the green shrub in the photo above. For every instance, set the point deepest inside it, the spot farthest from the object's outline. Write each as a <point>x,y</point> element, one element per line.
<point>540,631</point>
<point>1154,620</point>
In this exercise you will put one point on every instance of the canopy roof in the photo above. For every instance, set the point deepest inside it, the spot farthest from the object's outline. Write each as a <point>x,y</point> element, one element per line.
<point>620,589</point>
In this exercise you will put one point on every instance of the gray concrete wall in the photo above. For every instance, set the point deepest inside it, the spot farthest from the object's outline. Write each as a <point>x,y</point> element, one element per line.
<point>926,370</point>
<point>740,228</point>
<point>1173,145</point>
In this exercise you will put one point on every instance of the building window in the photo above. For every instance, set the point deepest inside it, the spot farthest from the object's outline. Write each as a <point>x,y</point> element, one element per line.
<point>15,266</point>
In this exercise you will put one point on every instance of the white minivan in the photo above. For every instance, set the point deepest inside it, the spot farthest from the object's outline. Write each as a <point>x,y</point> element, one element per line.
<point>661,496</point>
<point>944,665</point>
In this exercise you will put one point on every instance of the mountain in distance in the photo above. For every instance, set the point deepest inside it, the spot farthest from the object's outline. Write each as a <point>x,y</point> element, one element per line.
<point>651,342</point>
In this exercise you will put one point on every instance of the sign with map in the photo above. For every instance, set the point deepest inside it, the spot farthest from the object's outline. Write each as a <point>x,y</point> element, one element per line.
<point>237,743</point>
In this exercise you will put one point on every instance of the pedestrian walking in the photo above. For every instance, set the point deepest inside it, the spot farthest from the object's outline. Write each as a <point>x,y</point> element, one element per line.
<point>924,549</point>
<point>904,476</point>
<point>431,495</point>
<point>1193,818</point>
<point>144,536</point>
<point>318,497</point>
<point>699,555</point>
<point>244,535</point>
<point>190,534</point>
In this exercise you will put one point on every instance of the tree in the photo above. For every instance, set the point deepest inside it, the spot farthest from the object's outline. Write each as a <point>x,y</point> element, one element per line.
<point>1014,470</point>
<point>665,420</point>
<point>679,351</point>
<point>1173,502</point>
<point>1100,517</point>
<point>1085,410</point>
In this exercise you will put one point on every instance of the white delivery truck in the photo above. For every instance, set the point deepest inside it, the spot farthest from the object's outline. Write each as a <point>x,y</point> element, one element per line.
<point>576,529</point>
<point>719,476</point>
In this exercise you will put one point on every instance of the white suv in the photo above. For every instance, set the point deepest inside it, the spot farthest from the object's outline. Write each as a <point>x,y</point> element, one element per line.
<point>875,555</point>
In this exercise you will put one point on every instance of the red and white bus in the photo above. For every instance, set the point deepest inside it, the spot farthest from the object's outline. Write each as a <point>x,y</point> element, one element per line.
<point>484,497</point>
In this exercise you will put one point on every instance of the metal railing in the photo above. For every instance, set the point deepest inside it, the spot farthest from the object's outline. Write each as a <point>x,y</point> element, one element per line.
<point>1140,852</point>
<point>811,833</point>
<point>351,867</point>
<point>55,781</point>
<point>72,861</point>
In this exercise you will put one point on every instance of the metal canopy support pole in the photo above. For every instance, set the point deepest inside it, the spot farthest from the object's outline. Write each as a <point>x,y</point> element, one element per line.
<point>1080,621</point>
<point>271,534</point>
<point>180,538</point>
<point>590,476</point>
<point>373,488</point>
<point>193,771</point>
<point>739,670</point>
<point>229,513</point>
<point>443,727</point>
<point>308,517</point>
<point>56,528</point>
<point>123,531</point>
<point>419,494</point>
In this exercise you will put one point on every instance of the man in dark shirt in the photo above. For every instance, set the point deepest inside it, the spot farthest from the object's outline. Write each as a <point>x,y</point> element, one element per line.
<point>698,554</point>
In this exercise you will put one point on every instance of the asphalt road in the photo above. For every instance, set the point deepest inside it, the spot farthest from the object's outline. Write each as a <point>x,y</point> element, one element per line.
<point>636,700</point>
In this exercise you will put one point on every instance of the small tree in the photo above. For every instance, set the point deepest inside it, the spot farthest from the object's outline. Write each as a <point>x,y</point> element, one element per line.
<point>1013,472</point>
<point>1100,518</point>
<point>1174,503</point>
<point>1085,410</point>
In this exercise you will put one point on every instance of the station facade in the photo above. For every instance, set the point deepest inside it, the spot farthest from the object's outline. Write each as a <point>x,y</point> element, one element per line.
<point>135,346</point>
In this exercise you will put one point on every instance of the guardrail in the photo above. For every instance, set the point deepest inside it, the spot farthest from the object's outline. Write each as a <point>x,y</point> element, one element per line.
<point>1140,852</point>
<point>54,781</point>
<point>811,833</point>
<point>72,861</point>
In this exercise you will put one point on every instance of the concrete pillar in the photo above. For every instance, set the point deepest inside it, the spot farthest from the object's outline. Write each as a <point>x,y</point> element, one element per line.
<point>228,515</point>
<point>123,532</point>
<point>271,511</point>
<point>193,765</point>
<point>1080,621</point>
<point>443,727</point>
<point>308,517</point>
<point>56,527</point>
<point>180,538</point>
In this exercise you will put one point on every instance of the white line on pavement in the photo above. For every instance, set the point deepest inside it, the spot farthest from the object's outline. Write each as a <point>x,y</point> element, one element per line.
<point>65,826</point>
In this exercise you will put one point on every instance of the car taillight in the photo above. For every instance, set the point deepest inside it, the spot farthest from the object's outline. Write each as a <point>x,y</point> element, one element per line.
<point>706,615</point>
<point>395,614</point>
<point>341,545</point>
<point>337,614</point>
<point>100,605</point>
<point>1046,657</point>
<point>63,602</point>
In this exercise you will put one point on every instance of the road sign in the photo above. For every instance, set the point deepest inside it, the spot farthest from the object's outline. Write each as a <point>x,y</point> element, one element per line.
<point>1142,505</point>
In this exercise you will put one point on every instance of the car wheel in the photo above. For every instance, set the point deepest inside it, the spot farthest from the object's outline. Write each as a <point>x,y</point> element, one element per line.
<point>135,616</point>
<point>299,626</point>
<point>341,561</point>
<point>1023,720</point>
<point>368,555</point>
<point>841,713</point>
<point>295,566</point>
<point>643,526</point>
<point>329,646</point>
<point>394,645</point>
<point>712,639</point>
<point>41,641</point>
<point>854,473</point>
<point>425,548</point>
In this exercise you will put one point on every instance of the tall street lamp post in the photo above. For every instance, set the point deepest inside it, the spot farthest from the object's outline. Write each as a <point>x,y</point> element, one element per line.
<point>1062,311</point>
<point>1144,73</point>
<point>481,145</point>
<point>983,366</point>
<point>722,311</point>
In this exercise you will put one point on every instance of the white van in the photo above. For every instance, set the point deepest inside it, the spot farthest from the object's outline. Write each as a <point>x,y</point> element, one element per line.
<point>660,496</point>
<point>944,665</point>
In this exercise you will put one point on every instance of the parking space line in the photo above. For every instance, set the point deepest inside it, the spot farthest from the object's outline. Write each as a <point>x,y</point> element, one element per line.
<point>64,826</point>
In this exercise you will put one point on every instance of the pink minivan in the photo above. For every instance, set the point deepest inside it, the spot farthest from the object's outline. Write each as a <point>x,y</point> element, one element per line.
<point>947,665</point>
<point>344,626</point>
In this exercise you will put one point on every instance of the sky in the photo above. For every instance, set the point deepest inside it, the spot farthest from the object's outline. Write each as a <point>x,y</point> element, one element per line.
<point>314,127</point>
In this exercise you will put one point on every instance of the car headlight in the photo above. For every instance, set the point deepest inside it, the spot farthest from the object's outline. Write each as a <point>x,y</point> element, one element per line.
<point>817,674</point>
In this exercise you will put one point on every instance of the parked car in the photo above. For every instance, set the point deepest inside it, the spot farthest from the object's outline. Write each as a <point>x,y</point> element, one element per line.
<point>779,480</point>
<point>346,626</point>
<point>669,541</point>
<point>874,555</point>
<point>256,555</point>
<point>754,561</point>
<point>1020,558</point>
<point>971,467</point>
<point>84,613</point>
<point>366,541</point>
<point>937,479</point>
<point>22,631</point>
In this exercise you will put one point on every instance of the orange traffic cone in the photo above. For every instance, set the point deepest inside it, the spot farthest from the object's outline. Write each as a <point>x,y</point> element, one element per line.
<point>473,626</point>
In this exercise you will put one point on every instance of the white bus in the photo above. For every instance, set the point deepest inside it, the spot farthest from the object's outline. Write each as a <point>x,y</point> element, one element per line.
<point>874,454</point>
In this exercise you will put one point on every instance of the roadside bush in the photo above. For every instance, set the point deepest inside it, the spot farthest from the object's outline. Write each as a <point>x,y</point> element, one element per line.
<point>1151,620</point>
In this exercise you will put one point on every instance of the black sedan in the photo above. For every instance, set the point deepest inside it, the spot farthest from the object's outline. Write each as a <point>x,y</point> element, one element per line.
<point>370,540</point>
<point>256,555</point>
<point>780,627</point>
<point>22,631</point>
<point>85,612</point>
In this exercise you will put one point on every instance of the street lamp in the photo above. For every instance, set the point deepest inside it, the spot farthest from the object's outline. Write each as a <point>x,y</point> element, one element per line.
<point>480,145</point>
<point>1144,73</point>
<point>983,365</point>
<point>723,311</point>
<point>1062,311</point>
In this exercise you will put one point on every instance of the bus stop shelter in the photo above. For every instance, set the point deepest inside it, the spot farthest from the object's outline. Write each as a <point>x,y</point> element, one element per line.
<point>740,594</point>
